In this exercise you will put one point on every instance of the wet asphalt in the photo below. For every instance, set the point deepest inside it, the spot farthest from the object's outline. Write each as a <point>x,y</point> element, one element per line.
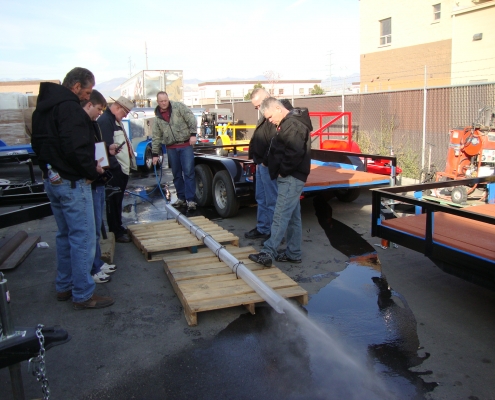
<point>380,324</point>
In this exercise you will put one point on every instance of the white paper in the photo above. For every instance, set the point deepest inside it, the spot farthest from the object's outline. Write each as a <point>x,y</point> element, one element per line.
<point>101,152</point>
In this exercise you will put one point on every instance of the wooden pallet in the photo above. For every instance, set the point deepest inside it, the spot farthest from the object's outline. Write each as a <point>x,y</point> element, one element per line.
<point>202,282</point>
<point>156,239</point>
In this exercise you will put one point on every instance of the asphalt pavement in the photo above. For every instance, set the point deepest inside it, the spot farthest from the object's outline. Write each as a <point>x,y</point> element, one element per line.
<point>398,328</point>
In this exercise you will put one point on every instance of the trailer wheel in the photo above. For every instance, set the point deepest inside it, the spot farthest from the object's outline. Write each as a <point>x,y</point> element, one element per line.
<point>459,195</point>
<point>347,195</point>
<point>148,159</point>
<point>221,152</point>
<point>204,185</point>
<point>224,199</point>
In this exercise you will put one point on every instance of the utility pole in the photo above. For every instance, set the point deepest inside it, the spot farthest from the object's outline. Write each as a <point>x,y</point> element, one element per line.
<point>146,54</point>
<point>330,71</point>
<point>130,67</point>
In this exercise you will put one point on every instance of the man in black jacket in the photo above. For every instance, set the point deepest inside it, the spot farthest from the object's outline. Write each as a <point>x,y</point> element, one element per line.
<point>63,138</point>
<point>266,187</point>
<point>289,162</point>
<point>94,107</point>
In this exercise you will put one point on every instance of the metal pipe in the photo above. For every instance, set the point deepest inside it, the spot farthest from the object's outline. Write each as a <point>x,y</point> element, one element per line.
<point>5,314</point>
<point>260,287</point>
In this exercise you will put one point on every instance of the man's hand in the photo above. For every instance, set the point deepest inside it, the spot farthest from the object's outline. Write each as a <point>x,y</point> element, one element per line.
<point>155,160</point>
<point>99,168</point>
<point>193,140</point>
<point>112,149</point>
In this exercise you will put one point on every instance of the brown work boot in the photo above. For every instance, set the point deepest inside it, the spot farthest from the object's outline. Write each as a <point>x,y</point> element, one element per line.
<point>64,296</point>
<point>94,301</point>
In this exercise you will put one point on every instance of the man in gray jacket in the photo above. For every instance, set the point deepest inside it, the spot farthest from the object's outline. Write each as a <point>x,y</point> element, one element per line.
<point>175,127</point>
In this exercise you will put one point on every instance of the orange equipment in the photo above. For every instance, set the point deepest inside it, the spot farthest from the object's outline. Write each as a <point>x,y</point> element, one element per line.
<point>471,154</point>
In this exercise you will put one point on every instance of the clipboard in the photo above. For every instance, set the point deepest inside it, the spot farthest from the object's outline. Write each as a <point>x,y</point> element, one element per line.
<point>101,151</point>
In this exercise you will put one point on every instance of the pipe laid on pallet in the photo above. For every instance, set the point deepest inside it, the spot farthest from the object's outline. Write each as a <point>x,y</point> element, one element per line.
<point>260,287</point>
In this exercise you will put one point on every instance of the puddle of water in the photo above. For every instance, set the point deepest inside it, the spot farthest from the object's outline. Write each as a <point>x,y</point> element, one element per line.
<point>362,307</point>
<point>371,318</point>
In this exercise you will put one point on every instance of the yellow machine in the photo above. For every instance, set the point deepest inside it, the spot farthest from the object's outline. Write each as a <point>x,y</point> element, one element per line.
<point>218,127</point>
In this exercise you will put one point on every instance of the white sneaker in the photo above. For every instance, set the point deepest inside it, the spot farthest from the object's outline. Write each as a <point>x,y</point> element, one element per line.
<point>191,206</point>
<point>179,203</point>
<point>108,268</point>
<point>101,277</point>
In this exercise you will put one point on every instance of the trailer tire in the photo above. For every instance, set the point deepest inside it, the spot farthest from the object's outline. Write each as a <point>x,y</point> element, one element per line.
<point>204,185</point>
<point>459,195</point>
<point>148,159</point>
<point>224,199</point>
<point>221,152</point>
<point>347,195</point>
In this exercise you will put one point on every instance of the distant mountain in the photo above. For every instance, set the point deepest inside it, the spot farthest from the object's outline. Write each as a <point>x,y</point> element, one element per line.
<point>192,81</point>
<point>109,88</point>
<point>227,79</point>
<point>338,82</point>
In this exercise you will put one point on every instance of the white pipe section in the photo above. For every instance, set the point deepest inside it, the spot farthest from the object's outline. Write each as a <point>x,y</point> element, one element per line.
<point>260,287</point>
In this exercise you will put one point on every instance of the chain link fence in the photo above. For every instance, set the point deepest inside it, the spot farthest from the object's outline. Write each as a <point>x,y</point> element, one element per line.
<point>411,124</point>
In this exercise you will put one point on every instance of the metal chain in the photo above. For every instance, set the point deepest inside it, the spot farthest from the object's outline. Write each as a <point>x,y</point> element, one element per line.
<point>40,370</point>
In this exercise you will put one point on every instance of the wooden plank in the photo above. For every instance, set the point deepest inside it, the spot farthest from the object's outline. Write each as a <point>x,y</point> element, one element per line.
<point>243,257</point>
<point>20,253</point>
<point>249,298</point>
<point>179,255</point>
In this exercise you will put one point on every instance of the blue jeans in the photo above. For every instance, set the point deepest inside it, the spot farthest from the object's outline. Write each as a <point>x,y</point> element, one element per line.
<point>287,217</point>
<point>98,206</point>
<point>73,211</point>
<point>266,197</point>
<point>182,162</point>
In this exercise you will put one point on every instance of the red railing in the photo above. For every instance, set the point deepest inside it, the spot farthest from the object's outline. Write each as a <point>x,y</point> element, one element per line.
<point>346,130</point>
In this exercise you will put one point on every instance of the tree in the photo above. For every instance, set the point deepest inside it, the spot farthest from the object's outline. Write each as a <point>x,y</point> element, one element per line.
<point>256,86</point>
<point>317,90</point>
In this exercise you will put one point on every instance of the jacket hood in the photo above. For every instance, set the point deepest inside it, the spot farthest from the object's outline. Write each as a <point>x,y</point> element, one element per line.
<point>302,115</point>
<point>52,94</point>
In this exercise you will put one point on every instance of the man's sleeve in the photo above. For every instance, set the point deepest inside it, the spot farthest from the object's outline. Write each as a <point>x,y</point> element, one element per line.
<point>294,137</point>
<point>157,140</point>
<point>107,130</point>
<point>76,141</point>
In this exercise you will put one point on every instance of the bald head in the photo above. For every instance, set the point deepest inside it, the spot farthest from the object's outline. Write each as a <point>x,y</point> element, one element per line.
<point>273,110</point>
<point>257,96</point>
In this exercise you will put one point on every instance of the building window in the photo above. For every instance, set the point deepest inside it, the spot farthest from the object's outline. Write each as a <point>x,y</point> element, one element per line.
<point>271,91</point>
<point>437,8</point>
<point>228,93</point>
<point>385,31</point>
<point>280,91</point>
<point>301,90</point>
<point>309,90</point>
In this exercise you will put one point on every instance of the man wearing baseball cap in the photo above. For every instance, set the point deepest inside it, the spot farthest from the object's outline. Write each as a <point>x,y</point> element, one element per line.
<point>113,131</point>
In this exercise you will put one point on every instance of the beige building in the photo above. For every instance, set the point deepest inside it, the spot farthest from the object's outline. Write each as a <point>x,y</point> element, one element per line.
<point>229,91</point>
<point>442,42</point>
<point>25,87</point>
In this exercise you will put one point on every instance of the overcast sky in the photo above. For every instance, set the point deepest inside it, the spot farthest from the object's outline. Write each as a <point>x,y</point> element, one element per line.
<point>206,39</point>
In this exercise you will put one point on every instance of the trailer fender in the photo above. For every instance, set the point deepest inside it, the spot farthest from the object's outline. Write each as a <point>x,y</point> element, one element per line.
<point>140,151</point>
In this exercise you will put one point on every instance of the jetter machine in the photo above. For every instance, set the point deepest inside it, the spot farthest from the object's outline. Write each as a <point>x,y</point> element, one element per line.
<point>471,154</point>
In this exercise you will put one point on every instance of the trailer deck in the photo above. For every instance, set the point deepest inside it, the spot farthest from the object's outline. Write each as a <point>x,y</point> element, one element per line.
<point>459,241</point>
<point>332,176</point>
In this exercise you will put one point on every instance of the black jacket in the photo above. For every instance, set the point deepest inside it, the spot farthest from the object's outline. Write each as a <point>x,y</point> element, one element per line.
<point>262,136</point>
<point>260,141</point>
<point>108,125</point>
<point>63,134</point>
<point>290,149</point>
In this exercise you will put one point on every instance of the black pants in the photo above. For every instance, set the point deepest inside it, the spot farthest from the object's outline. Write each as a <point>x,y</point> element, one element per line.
<point>114,202</point>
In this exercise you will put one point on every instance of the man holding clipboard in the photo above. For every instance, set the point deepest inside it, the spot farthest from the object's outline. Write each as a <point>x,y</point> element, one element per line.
<point>94,107</point>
